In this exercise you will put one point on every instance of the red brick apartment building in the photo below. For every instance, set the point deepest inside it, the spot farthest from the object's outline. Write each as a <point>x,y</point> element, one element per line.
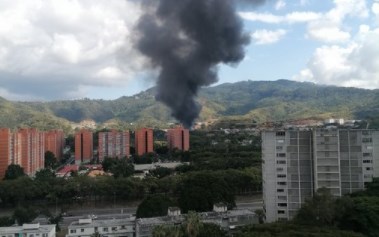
<point>32,150</point>
<point>114,144</point>
<point>25,147</point>
<point>54,142</point>
<point>144,141</point>
<point>178,138</point>
<point>5,150</point>
<point>83,146</point>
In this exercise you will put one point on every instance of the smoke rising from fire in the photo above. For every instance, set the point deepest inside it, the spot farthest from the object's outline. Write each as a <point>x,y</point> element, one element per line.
<point>186,40</point>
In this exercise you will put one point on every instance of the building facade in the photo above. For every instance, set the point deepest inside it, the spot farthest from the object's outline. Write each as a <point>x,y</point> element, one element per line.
<point>144,141</point>
<point>5,150</point>
<point>297,163</point>
<point>111,228</point>
<point>178,138</point>
<point>54,142</point>
<point>83,146</point>
<point>114,144</point>
<point>28,230</point>
<point>32,150</point>
<point>24,147</point>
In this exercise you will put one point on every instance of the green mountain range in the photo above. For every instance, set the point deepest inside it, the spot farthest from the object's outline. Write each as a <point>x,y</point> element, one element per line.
<point>248,100</point>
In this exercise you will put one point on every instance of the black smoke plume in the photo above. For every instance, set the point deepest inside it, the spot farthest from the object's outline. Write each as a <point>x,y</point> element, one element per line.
<point>186,40</point>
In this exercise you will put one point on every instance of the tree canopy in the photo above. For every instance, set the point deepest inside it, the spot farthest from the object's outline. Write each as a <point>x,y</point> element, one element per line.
<point>13,172</point>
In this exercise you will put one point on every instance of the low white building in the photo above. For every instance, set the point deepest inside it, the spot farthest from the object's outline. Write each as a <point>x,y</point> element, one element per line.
<point>109,228</point>
<point>28,230</point>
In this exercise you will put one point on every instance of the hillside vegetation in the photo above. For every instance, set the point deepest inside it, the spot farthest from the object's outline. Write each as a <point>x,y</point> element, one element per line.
<point>248,100</point>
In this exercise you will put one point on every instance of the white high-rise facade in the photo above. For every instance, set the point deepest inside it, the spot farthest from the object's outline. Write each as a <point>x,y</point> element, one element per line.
<point>297,163</point>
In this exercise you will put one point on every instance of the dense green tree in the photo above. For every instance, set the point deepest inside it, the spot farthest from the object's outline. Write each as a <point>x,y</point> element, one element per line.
<point>148,158</point>
<point>45,175</point>
<point>292,230</point>
<point>192,224</point>
<point>13,172</point>
<point>260,214</point>
<point>6,221</point>
<point>211,230</point>
<point>319,210</point>
<point>56,221</point>
<point>24,215</point>
<point>122,168</point>
<point>118,167</point>
<point>50,160</point>
<point>200,190</point>
<point>107,163</point>
<point>360,214</point>
<point>168,231</point>
<point>154,205</point>
<point>161,172</point>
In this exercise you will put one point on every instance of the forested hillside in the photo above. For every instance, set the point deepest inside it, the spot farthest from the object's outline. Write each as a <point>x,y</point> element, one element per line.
<point>252,100</point>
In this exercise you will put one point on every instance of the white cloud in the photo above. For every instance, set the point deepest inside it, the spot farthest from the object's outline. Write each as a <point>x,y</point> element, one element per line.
<point>354,65</point>
<point>262,17</point>
<point>280,4</point>
<point>326,27</point>
<point>109,73</point>
<point>329,28</point>
<point>64,46</point>
<point>328,34</point>
<point>267,36</point>
<point>375,8</point>
<point>295,17</point>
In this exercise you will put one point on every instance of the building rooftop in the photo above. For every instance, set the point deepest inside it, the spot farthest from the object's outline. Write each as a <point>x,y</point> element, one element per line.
<point>29,228</point>
<point>203,215</point>
<point>101,223</point>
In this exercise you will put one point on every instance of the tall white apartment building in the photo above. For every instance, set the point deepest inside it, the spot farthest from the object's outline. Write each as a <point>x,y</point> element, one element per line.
<point>298,163</point>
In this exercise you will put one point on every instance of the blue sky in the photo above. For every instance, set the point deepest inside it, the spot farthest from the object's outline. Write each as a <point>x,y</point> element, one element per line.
<point>69,49</point>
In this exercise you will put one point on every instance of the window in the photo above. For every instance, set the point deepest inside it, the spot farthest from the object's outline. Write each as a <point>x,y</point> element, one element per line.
<point>280,141</point>
<point>105,229</point>
<point>280,134</point>
<point>282,198</point>
<point>280,154</point>
<point>280,190</point>
<point>367,155</point>
<point>81,230</point>
<point>283,162</point>
<point>281,176</point>
<point>279,147</point>
<point>282,183</point>
<point>72,231</point>
<point>368,168</point>
<point>282,204</point>
<point>366,139</point>
<point>281,212</point>
<point>279,169</point>
<point>367,161</point>
<point>95,228</point>
<point>114,228</point>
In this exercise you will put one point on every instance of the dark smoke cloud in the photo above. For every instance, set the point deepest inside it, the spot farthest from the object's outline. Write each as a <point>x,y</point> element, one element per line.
<point>186,40</point>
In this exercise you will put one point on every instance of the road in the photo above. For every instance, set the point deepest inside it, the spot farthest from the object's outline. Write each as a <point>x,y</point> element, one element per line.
<point>119,213</point>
